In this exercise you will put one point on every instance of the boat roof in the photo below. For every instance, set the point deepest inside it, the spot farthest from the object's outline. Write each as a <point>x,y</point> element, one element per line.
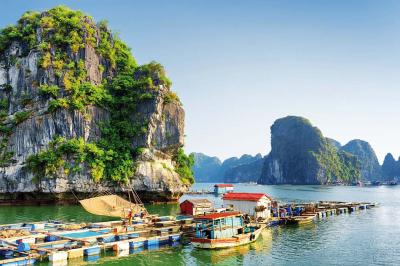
<point>223,185</point>
<point>245,196</point>
<point>215,216</point>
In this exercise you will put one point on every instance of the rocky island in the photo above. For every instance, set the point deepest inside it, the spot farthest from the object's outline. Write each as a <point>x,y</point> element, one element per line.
<point>390,168</point>
<point>300,154</point>
<point>208,169</point>
<point>78,114</point>
<point>369,164</point>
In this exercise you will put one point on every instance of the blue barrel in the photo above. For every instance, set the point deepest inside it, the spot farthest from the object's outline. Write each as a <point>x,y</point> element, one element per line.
<point>91,251</point>
<point>22,247</point>
<point>107,239</point>
<point>134,235</point>
<point>136,245</point>
<point>92,258</point>
<point>151,242</point>
<point>51,238</point>
<point>121,237</point>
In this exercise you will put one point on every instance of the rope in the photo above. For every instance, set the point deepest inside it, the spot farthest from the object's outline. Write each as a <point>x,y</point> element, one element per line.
<point>75,195</point>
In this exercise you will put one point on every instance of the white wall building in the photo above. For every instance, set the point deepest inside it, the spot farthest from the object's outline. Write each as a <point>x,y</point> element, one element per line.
<point>254,204</point>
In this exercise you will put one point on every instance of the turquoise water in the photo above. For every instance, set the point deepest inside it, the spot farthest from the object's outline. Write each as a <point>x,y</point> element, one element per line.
<point>370,237</point>
<point>85,234</point>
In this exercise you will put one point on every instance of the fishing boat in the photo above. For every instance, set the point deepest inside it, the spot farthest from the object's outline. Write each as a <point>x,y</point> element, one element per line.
<point>304,219</point>
<point>224,230</point>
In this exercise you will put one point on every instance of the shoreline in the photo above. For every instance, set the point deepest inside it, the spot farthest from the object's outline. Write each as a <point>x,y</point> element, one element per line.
<point>68,198</point>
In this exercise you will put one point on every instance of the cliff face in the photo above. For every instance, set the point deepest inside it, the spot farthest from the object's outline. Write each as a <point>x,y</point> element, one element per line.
<point>300,154</point>
<point>362,150</point>
<point>206,168</point>
<point>334,143</point>
<point>390,168</point>
<point>125,123</point>
<point>245,169</point>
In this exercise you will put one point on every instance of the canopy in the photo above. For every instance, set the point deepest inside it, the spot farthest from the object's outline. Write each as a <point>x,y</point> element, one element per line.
<point>111,205</point>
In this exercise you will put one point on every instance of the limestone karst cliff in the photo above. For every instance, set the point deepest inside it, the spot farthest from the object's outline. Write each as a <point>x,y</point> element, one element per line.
<point>79,114</point>
<point>300,154</point>
<point>362,150</point>
<point>245,169</point>
<point>390,168</point>
<point>206,168</point>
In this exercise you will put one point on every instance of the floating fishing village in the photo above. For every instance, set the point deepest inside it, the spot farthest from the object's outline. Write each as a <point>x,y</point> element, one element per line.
<point>239,222</point>
<point>97,165</point>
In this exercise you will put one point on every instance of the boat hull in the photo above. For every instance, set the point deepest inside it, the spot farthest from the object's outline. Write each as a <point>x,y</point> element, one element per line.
<point>239,240</point>
<point>299,220</point>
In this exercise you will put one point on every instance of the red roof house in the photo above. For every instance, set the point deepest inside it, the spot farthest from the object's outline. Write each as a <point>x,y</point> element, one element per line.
<point>196,206</point>
<point>223,185</point>
<point>244,196</point>
<point>254,204</point>
<point>222,188</point>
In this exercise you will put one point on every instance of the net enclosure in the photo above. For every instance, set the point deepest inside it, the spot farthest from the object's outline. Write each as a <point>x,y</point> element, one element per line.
<point>111,205</point>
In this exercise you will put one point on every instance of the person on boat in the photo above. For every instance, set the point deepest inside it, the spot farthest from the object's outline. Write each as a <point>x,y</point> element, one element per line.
<point>246,219</point>
<point>130,216</point>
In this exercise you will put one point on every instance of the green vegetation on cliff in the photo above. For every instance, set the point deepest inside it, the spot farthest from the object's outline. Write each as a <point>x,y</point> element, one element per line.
<point>302,155</point>
<point>337,166</point>
<point>184,166</point>
<point>124,85</point>
<point>369,164</point>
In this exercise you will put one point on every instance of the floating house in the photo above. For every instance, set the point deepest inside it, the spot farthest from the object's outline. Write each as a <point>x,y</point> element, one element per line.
<point>196,206</point>
<point>223,188</point>
<point>257,205</point>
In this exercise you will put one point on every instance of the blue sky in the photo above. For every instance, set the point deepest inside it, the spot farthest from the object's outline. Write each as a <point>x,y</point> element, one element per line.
<point>239,65</point>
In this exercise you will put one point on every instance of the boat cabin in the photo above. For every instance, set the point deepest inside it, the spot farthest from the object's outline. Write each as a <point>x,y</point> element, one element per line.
<point>258,205</point>
<point>222,188</point>
<point>196,206</point>
<point>219,225</point>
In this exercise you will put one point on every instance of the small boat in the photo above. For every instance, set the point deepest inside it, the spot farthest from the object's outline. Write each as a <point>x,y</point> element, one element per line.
<point>307,219</point>
<point>224,230</point>
<point>273,222</point>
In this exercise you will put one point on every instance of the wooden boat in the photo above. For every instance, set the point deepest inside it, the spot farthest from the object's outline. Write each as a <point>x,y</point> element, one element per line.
<point>306,219</point>
<point>224,230</point>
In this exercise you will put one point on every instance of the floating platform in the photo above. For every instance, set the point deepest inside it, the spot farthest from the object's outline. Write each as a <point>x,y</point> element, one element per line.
<point>57,242</point>
<point>305,213</point>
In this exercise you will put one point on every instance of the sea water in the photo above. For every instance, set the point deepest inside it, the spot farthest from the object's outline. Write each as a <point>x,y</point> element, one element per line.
<point>367,237</point>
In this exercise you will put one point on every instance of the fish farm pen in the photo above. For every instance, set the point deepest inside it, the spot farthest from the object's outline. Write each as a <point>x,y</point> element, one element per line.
<point>26,243</point>
<point>55,241</point>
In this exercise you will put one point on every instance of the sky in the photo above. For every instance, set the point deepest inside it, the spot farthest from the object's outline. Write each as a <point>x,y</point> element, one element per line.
<point>240,65</point>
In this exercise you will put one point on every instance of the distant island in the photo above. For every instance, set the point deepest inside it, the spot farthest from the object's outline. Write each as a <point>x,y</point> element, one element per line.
<point>300,154</point>
<point>247,168</point>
